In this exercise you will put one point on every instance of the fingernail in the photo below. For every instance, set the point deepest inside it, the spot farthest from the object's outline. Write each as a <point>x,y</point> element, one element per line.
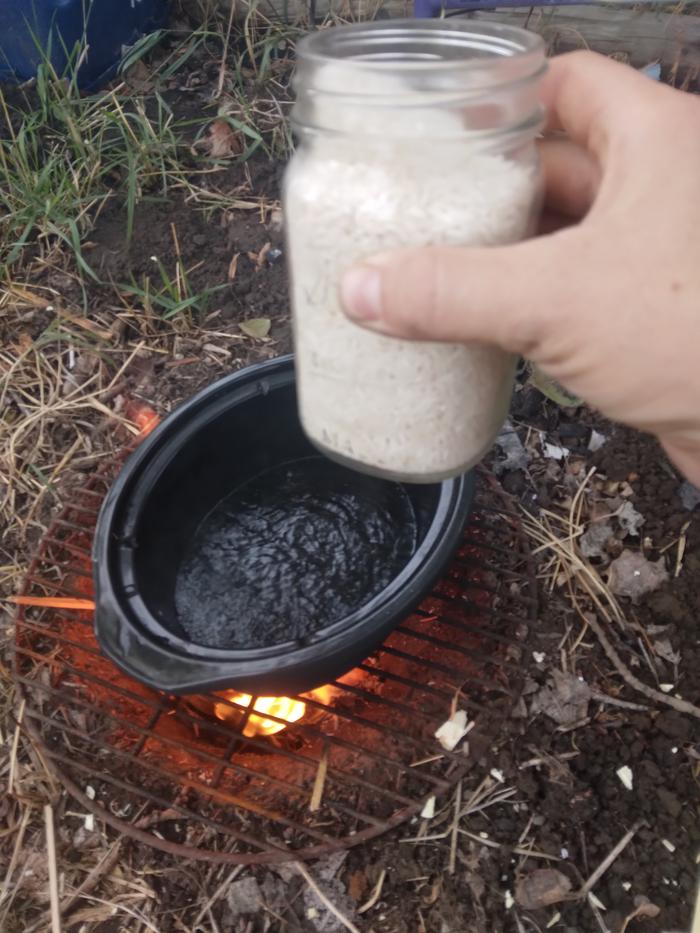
<point>361,293</point>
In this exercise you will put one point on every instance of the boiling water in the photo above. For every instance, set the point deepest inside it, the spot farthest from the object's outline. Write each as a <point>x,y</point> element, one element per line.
<point>290,552</point>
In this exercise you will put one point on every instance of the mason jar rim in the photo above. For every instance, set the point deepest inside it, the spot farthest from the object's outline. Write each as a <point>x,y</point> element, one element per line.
<point>407,46</point>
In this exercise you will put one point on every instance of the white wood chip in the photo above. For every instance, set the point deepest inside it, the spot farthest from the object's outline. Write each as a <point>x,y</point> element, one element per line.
<point>666,688</point>
<point>428,811</point>
<point>509,900</point>
<point>453,730</point>
<point>90,792</point>
<point>626,776</point>
<point>89,822</point>
<point>497,775</point>
<point>668,845</point>
<point>555,452</point>
<point>555,919</point>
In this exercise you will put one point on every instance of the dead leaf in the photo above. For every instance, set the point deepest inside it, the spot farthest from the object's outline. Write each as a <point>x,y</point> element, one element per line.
<point>664,649</point>
<point>435,889</point>
<point>357,885</point>
<point>244,898</point>
<point>223,142</point>
<point>516,456</point>
<point>690,496</point>
<point>260,259</point>
<point>553,390</point>
<point>258,327</point>
<point>565,700</point>
<point>630,519</point>
<point>632,575</point>
<point>541,888</point>
<point>31,298</point>
<point>645,908</point>
<point>233,267</point>
<point>594,539</point>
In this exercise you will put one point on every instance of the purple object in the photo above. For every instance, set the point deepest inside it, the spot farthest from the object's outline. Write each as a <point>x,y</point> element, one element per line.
<point>426,9</point>
<point>35,31</point>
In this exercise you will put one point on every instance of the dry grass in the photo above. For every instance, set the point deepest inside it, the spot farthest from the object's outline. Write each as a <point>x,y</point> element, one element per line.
<point>65,364</point>
<point>590,596</point>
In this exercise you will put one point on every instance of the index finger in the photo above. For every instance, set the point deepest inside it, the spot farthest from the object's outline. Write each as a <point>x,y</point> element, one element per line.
<point>590,97</point>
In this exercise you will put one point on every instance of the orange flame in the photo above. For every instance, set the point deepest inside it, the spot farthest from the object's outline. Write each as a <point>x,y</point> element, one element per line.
<point>282,707</point>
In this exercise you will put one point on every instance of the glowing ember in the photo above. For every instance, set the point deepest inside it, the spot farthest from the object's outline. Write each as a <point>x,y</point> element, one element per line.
<point>143,417</point>
<point>53,602</point>
<point>282,707</point>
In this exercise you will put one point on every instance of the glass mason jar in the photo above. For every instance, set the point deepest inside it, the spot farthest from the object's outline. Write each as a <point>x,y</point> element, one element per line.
<point>411,133</point>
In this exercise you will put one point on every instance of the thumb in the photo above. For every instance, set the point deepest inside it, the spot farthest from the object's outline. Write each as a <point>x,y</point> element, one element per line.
<point>507,296</point>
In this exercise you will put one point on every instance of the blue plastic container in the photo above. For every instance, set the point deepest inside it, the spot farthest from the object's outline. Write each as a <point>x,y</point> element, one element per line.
<point>58,26</point>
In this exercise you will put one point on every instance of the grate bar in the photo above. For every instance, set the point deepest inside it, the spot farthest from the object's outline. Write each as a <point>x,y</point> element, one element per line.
<point>95,776</point>
<point>333,774</point>
<point>223,795</point>
<point>339,713</point>
<point>479,564</point>
<point>226,730</point>
<point>371,757</point>
<point>384,674</point>
<point>470,629</point>
<point>58,588</point>
<point>467,652</point>
<point>383,701</point>
<point>71,548</point>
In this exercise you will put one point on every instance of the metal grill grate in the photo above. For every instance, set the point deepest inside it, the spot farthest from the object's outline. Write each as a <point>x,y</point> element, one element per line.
<point>159,769</point>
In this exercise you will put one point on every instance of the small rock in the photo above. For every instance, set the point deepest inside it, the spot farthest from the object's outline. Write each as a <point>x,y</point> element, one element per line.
<point>542,887</point>
<point>669,800</point>
<point>674,725</point>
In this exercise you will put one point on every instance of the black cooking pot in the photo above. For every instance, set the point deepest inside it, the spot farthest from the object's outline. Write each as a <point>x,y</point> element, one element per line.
<point>240,431</point>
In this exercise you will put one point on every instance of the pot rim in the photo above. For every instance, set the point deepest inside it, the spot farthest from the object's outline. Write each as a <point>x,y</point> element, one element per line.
<point>129,632</point>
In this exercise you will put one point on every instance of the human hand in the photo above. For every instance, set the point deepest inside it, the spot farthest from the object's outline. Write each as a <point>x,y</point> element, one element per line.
<point>609,303</point>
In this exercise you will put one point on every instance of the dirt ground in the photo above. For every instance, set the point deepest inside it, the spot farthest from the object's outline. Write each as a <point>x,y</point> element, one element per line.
<point>594,760</point>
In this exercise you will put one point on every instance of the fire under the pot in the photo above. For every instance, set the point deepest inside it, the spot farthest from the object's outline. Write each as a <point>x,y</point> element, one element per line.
<point>234,778</point>
<point>252,715</point>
